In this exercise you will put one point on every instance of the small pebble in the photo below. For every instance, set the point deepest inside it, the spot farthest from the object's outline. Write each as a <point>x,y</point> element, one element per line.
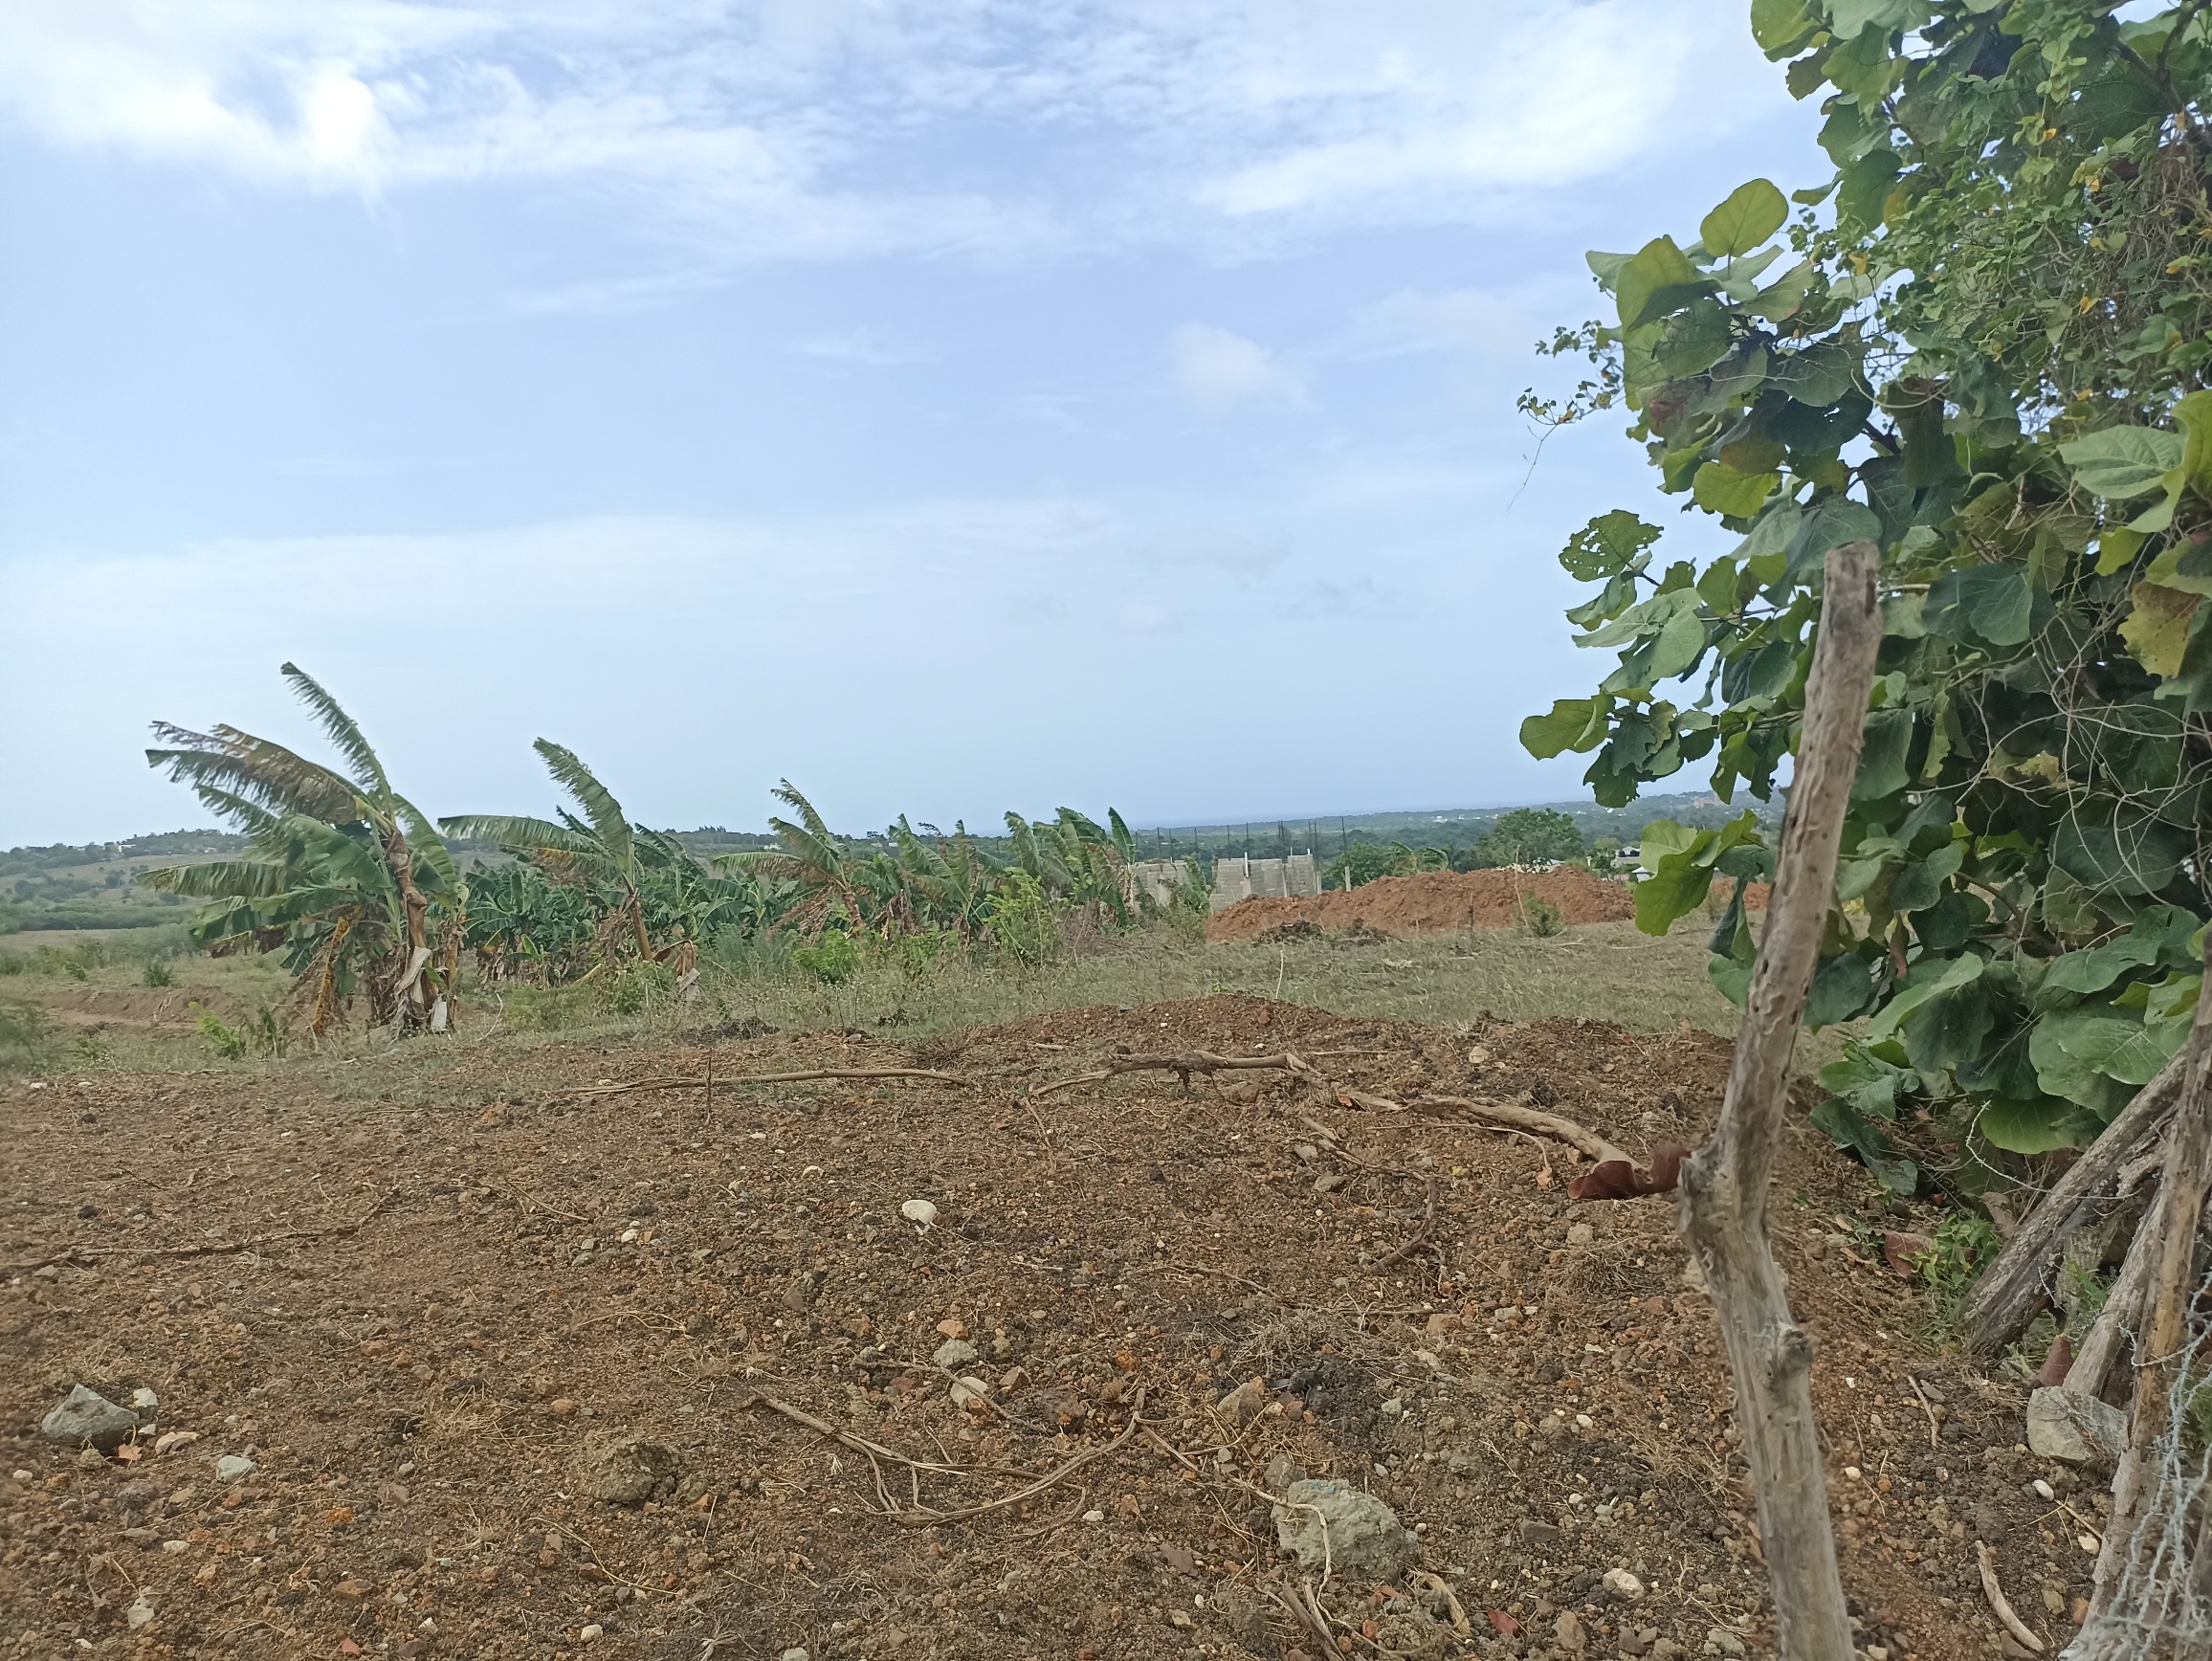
<point>234,1468</point>
<point>1580,1233</point>
<point>919,1212</point>
<point>594,1630</point>
<point>793,1654</point>
<point>2043,1489</point>
<point>1624,1586</point>
<point>1093,1517</point>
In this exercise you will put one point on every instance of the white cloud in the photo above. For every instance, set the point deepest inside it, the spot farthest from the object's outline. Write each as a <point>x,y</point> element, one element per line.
<point>785,128</point>
<point>861,348</point>
<point>1466,320</point>
<point>1216,370</point>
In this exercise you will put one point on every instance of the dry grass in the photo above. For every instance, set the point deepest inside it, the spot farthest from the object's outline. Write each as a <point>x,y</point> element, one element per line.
<point>1601,971</point>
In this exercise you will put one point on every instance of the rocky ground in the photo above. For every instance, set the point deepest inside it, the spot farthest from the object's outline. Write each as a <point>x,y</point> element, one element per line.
<point>491,1360</point>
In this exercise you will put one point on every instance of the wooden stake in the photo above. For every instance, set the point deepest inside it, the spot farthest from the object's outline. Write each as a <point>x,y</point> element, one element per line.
<point>1724,1183</point>
<point>2183,1187</point>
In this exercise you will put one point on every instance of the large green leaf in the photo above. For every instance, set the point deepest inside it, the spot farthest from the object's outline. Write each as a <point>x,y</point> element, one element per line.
<point>2030,1127</point>
<point>1574,723</point>
<point>1851,1131</point>
<point>1781,26</point>
<point>2079,1053</point>
<point>1607,546</point>
<point>2121,462</point>
<point>1992,602</point>
<point>1850,17</point>
<point>1681,862</point>
<point>1752,214</point>
<point>1722,490</point>
<point>1657,280</point>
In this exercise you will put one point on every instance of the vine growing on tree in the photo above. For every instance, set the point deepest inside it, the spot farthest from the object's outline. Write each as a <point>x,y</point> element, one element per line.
<point>1982,343</point>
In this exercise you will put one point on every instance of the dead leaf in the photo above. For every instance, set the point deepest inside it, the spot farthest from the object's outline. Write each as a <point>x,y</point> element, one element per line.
<point>1619,1180</point>
<point>1544,1176</point>
<point>2057,1362</point>
<point>1504,1624</point>
<point>1900,1251</point>
<point>130,1452</point>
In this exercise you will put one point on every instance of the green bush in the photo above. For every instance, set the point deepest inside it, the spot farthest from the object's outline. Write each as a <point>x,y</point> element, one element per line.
<point>1539,915</point>
<point>26,1043</point>
<point>832,960</point>
<point>1026,921</point>
<point>158,973</point>
<point>640,987</point>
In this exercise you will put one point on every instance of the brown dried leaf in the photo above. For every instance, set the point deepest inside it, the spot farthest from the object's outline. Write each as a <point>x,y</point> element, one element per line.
<point>1900,1251</point>
<point>2057,1362</point>
<point>1504,1624</point>
<point>1619,1180</point>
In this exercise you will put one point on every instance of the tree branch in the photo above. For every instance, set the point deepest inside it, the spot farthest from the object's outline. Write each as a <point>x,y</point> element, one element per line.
<point>1725,1182</point>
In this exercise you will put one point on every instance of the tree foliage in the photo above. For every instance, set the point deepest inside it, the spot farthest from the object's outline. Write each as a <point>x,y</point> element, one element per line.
<point>1982,345</point>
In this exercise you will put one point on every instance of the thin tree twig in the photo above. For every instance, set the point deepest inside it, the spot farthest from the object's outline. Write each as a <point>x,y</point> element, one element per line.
<point>1995,1593</point>
<point>209,1249</point>
<point>804,1076</point>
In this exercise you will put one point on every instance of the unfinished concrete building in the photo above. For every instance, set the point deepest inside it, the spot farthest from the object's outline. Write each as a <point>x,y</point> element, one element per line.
<point>1243,878</point>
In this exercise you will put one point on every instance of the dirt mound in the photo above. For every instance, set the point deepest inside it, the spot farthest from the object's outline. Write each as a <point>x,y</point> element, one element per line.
<point>1435,902</point>
<point>419,1317</point>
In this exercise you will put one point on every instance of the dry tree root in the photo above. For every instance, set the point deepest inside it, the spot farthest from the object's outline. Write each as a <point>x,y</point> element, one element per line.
<point>1203,1061</point>
<point>918,1515</point>
<point>1995,1593</point>
<point>209,1249</point>
<point>1586,1142</point>
<point>807,1077</point>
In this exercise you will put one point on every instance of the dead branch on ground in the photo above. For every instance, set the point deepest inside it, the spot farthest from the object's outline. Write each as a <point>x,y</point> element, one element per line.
<point>809,1076</point>
<point>207,1249</point>
<point>920,1515</point>
<point>2007,1294</point>
<point>1202,1061</point>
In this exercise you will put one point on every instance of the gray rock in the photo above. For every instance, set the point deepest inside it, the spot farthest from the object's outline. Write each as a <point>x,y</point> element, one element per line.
<point>1541,1535</point>
<point>1245,1404</point>
<point>793,1654</point>
<point>234,1468</point>
<point>624,1471</point>
<point>88,1419</point>
<point>956,1353</point>
<point>1333,1524</point>
<point>2074,1429</point>
<point>1721,1640</point>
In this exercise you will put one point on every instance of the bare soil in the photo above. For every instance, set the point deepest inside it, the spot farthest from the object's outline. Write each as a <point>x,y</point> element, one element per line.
<point>547,1295</point>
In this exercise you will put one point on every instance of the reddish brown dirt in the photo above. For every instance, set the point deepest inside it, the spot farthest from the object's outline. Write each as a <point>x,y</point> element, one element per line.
<point>419,1398</point>
<point>1435,902</point>
<point>1444,901</point>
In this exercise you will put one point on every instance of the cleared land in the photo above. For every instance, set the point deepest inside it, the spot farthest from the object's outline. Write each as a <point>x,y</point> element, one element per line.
<point>546,1287</point>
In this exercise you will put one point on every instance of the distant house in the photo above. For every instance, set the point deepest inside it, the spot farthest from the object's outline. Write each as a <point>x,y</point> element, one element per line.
<point>1296,877</point>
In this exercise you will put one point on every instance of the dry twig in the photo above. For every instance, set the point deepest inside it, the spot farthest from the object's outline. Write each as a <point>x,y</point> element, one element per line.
<point>805,1075</point>
<point>206,1249</point>
<point>1995,1593</point>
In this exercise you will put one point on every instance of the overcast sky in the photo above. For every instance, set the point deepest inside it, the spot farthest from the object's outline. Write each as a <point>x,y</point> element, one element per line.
<point>951,405</point>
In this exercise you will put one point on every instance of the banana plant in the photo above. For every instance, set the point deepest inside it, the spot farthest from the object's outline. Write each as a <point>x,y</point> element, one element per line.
<point>346,876</point>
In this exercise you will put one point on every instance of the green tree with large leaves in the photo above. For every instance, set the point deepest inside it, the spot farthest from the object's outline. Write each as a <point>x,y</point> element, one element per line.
<point>1981,343</point>
<point>347,877</point>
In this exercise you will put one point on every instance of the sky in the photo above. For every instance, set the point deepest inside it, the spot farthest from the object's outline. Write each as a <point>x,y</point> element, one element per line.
<point>948,404</point>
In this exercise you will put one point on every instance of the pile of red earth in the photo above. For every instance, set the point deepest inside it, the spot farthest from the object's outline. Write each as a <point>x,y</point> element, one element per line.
<point>1436,902</point>
<point>470,1352</point>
